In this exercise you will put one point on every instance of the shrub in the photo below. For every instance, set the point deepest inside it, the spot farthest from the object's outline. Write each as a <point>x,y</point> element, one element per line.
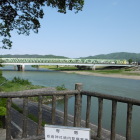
<point>62,87</point>
<point>21,81</point>
<point>2,111</point>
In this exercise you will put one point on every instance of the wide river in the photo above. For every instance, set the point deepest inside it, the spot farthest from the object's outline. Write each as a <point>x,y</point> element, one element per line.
<point>114,86</point>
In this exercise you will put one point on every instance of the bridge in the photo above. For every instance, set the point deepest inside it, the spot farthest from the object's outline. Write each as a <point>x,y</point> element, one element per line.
<point>22,62</point>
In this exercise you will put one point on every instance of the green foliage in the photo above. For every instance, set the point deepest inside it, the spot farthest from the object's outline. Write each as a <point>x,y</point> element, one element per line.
<point>60,68</point>
<point>20,81</point>
<point>31,56</point>
<point>119,55</point>
<point>17,84</point>
<point>24,16</point>
<point>3,102</point>
<point>2,111</point>
<point>130,61</point>
<point>62,87</point>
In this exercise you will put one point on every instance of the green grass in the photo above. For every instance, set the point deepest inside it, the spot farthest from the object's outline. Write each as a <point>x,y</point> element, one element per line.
<point>62,87</point>
<point>16,84</point>
<point>101,70</point>
<point>114,71</point>
<point>60,68</point>
<point>122,71</point>
<point>30,116</point>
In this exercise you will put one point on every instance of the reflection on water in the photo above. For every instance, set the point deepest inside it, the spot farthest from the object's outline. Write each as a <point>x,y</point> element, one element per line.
<point>113,86</point>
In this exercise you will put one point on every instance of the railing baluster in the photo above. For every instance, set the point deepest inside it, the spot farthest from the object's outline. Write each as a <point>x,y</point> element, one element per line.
<point>53,108</point>
<point>78,105</point>
<point>100,113</point>
<point>88,111</point>
<point>113,120</point>
<point>129,120</point>
<point>25,117</point>
<point>39,129</point>
<point>8,119</point>
<point>65,110</point>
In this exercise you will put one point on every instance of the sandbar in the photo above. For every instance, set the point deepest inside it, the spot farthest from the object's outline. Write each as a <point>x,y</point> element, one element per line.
<point>135,77</point>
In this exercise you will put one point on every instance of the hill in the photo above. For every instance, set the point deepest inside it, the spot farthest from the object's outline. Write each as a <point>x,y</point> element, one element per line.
<point>31,56</point>
<point>119,55</point>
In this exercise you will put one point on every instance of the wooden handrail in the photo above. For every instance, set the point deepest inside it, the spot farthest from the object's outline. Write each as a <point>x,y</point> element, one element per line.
<point>37,92</point>
<point>77,112</point>
<point>112,97</point>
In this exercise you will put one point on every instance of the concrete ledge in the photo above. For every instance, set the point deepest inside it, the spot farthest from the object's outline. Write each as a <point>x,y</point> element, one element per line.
<point>2,134</point>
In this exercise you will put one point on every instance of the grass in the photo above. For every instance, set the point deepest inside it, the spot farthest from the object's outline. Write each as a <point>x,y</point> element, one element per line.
<point>60,68</point>
<point>31,116</point>
<point>101,70</point>
<point>16,84</point>
<point>115,71</point>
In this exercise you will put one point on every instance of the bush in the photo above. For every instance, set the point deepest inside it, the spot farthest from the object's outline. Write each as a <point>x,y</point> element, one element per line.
<point>21,81</point>
<point>2,111</point>
<point>62,87</point>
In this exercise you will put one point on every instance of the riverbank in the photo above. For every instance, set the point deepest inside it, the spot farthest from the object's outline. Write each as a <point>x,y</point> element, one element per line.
<point>128,76</point>
<point>126,73</point>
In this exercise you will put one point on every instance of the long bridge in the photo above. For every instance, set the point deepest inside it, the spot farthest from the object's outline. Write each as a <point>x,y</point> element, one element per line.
<point>22,62</point>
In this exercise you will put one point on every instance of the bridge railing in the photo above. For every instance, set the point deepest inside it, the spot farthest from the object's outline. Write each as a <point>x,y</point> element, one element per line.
<point>77,93</point>
<point>56,60</point>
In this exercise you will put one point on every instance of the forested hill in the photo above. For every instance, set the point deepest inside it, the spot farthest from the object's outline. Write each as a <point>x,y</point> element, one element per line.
<point>120,55</point>
<point>31,56</point>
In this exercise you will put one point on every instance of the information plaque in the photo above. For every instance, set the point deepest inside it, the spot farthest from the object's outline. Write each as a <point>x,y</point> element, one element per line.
<point>53,132</point>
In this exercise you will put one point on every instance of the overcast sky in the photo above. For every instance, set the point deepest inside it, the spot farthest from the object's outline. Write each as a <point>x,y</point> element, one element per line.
<point>104,26</point>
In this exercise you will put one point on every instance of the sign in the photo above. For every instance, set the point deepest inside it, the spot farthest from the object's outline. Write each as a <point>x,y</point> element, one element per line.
<point>53,132</point>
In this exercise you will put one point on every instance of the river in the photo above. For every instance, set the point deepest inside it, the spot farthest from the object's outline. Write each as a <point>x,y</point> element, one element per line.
<point>114,86</point>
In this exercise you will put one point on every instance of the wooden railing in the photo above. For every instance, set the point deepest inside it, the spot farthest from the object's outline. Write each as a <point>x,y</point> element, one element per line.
<point>78,92</point>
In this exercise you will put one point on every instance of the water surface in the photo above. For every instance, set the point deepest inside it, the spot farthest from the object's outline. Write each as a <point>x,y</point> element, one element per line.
<point>114,86</point>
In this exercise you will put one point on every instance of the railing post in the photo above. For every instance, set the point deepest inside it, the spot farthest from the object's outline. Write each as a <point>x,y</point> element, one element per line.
<point>129,120</point>
<point>100,114</point>
<point>78,105</point>
<point>53,109</point>
<point>113,120</point>
<point>39,129</point>
<point>8,119</point>
<point>65,110</point>
<point>88,111</point>
<point>25,117</point>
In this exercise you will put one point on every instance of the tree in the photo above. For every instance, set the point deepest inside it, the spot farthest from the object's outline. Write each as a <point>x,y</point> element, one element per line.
<point>24,15</point>
<point>130,61</point>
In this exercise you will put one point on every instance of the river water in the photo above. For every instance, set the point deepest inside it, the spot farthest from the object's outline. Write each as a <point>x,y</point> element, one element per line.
<point>114,86</point>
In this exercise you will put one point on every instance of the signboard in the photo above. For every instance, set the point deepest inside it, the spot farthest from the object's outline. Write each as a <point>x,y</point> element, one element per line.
<point>53,132</point>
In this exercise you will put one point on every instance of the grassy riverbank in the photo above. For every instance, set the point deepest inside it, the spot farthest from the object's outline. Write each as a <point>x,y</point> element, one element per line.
<point>101,71</point>
<point>59,68</point>
<point>16,84</point>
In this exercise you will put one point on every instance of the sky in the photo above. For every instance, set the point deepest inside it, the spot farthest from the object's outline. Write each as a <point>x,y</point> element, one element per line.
<point>104,26</point>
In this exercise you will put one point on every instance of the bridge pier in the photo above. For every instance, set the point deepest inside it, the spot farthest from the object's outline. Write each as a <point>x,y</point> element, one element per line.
<point>14,67</point>
<point>20,67</point>
<point>93,67</point>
